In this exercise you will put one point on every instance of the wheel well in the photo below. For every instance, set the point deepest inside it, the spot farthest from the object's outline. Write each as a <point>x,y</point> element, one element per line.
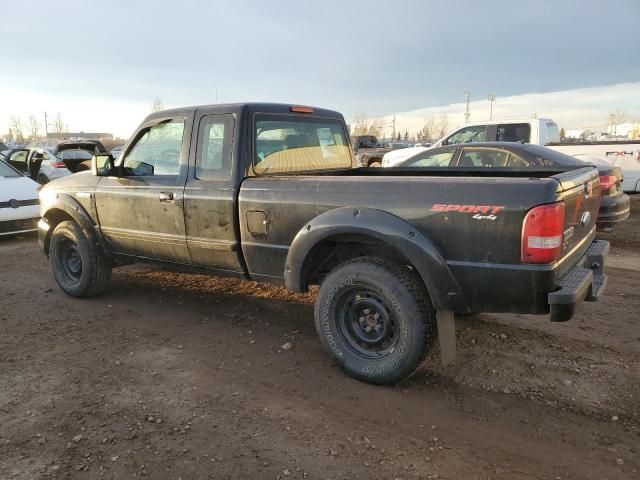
<point>53,218</point>
<point>374,160</point>
<point>335,250</point>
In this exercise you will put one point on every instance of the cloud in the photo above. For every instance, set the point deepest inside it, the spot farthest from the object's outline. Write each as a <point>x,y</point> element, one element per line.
<point>578,108</point>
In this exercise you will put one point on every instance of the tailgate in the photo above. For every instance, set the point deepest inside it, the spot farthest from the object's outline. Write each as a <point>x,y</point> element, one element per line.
<point>580,191</point>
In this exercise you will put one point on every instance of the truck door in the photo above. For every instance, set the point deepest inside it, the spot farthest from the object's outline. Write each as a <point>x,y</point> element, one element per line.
<point>210,212</point>
<point>141,210</point>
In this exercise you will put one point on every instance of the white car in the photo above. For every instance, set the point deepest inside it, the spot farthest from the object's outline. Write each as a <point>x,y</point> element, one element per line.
<point>394,157</point>
<point>543,131</point>
<point>19,204</point>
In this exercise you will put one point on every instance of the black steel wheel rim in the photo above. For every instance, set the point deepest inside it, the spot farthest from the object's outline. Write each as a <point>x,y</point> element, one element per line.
<point>71,260</point>
<point>366,322</point>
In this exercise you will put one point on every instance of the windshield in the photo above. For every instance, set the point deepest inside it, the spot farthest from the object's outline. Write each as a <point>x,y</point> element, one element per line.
<point>7,172</point>
<point>547,156</point>
<point>74,155</point>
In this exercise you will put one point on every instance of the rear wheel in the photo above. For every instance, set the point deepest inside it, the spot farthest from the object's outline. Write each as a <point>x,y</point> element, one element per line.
<point>42,180</point>
<point>375,319</point>
<point>79,266</point>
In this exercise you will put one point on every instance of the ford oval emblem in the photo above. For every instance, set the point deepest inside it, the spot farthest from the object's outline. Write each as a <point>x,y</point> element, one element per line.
<point>585,219</point>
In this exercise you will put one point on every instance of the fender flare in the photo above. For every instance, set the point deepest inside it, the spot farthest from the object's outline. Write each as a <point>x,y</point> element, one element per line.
<point>77,212</point>
<point>387,228</point>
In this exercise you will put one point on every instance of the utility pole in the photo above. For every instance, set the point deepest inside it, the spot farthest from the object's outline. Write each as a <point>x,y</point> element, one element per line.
<point>46,127</point>
<point>467,113</point>
<point>611,127</point>
<point>492,98</point>
<point>393,134</point>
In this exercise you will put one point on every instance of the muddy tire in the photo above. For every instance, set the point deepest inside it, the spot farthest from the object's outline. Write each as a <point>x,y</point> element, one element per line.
<point>79,266</point>
<point>375,319</point>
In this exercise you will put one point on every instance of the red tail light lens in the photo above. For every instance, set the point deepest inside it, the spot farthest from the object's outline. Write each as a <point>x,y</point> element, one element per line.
<point>58,164</point>
<point>542,232</point>
<point>607,182</point>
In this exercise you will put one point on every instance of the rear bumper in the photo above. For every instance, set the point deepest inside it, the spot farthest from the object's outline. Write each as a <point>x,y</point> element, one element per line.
<point>613,209</point>
<point>584,281</point>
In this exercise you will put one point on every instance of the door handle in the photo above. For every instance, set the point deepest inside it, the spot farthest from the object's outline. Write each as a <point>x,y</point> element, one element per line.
<point>166,197</point>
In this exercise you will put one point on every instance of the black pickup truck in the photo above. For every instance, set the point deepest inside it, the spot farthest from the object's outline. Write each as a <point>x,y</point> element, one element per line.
<point>268,192</point>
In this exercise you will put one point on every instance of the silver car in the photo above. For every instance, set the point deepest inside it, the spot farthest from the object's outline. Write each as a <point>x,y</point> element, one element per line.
<point>56,165</point>
<point>47,164</point>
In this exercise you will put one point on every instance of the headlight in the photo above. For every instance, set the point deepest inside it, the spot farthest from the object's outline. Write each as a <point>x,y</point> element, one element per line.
<point>47,196</point>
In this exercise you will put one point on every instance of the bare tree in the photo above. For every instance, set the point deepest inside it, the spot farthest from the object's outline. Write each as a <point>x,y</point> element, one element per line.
<point>59,126</point>
<point>15,126</point>
<point>34,126</point>
<point>364,126</point>
<point>434,128</point>
<point>616,118</point>
<point>157,105</point>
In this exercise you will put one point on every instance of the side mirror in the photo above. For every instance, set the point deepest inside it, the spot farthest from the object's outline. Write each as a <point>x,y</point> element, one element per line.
<point>143,169</point>
<point>102,164</point>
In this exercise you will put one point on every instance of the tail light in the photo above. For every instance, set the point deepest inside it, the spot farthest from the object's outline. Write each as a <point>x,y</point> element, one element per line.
<point>607,182</point>
<point>300,109</point>
<point>58,164</point>
<point>542,233</point>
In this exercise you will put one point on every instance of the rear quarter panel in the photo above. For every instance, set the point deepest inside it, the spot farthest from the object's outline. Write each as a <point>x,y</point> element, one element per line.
<point>623,155</point>
<point>444,209</point>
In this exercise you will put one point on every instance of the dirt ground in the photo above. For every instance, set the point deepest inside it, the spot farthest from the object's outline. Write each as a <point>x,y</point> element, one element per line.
<point>183,376</point>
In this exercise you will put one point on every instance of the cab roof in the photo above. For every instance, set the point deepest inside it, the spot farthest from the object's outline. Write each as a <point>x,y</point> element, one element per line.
<point>249,107</point>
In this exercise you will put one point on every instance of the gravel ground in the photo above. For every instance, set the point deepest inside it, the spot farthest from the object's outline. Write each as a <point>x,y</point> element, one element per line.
<point>186,376</point>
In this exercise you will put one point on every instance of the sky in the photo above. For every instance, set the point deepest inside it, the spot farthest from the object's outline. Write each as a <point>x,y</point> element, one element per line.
<point>102,64</point>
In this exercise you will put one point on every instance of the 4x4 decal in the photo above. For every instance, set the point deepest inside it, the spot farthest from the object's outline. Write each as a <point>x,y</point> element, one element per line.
<point>482,212</point>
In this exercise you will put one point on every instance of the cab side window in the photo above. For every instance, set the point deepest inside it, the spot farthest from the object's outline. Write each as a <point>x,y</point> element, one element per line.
<point>468,135</point>
<point>214,152</point>
<point>156,152</point>
<point>514,132</point>
<point>483,157</point>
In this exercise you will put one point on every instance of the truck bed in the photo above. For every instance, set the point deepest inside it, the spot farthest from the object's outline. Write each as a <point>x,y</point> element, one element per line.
<point>482,251</point>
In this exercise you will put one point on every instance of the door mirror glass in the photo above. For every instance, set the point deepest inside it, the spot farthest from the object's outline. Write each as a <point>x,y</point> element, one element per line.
<point>102,165</point>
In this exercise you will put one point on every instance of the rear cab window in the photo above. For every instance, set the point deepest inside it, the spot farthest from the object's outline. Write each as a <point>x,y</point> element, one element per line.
<point>553,133</point>
<point>291,144</point>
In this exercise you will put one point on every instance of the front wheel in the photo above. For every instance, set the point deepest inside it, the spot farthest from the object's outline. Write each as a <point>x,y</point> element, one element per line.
<point>375,319</point>
<point>79,266</point>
